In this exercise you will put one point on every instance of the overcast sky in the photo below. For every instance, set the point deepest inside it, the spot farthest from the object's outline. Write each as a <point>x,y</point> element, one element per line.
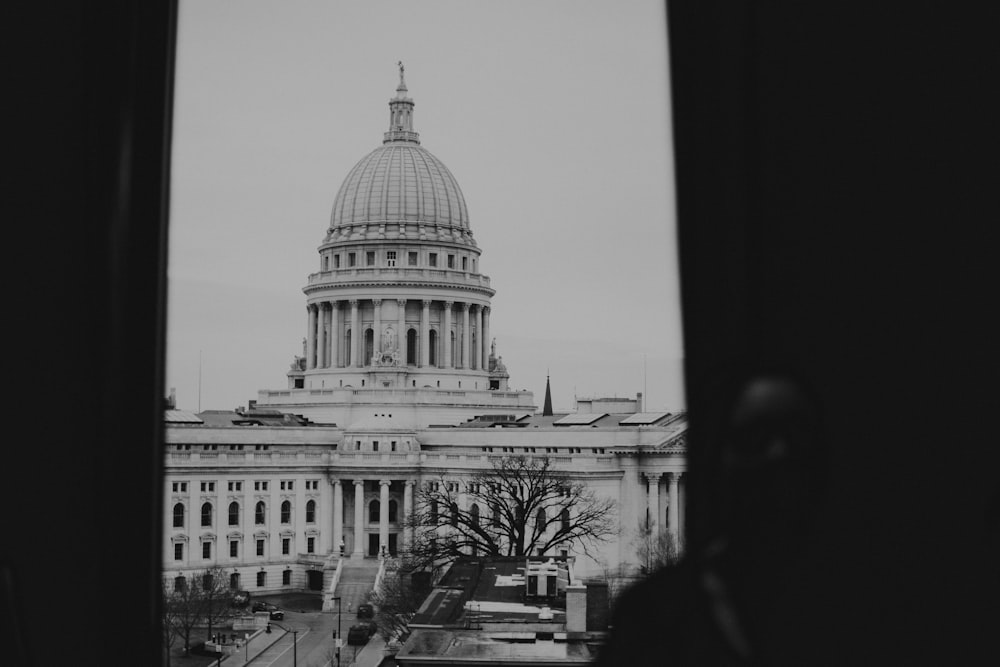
<point>552,115</point>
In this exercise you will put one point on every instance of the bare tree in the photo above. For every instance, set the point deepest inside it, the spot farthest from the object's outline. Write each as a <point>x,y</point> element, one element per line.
<point>167,621</point>
<point>216,596</point>
<point>183,608</point>
<point>655,548</point>
<point>188,603</point>
<point>395,602</point>
<point>521,505</point>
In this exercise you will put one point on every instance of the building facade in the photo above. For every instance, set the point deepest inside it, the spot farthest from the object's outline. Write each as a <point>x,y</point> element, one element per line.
<point>399,383</point>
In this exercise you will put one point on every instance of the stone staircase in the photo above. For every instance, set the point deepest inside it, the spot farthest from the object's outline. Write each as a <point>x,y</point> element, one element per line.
<point>357,578</point>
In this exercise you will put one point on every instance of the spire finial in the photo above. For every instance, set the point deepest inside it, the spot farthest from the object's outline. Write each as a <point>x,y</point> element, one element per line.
<point>402,81</point>
<point>547,405</point>
<point>401,113</point>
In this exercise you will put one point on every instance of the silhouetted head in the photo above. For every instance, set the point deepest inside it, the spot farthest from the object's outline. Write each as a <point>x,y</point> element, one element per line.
<point>773,461</point>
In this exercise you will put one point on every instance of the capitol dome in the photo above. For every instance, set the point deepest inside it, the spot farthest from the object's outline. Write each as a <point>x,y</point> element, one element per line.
<point>400,189</point>
<point>400,182</point>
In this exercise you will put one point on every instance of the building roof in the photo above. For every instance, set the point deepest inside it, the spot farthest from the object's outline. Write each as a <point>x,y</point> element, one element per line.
<point>475,646</point>
<point>232,418</point>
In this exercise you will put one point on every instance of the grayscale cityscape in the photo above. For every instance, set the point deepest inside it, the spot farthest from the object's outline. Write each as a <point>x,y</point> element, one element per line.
<point>412,461</point>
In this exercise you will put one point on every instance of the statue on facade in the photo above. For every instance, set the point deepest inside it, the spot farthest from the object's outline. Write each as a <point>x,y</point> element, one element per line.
<point>388,340</point>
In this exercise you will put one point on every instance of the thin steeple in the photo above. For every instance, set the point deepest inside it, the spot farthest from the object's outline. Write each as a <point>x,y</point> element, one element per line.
<point>547,406</point>
<point>401,114</point>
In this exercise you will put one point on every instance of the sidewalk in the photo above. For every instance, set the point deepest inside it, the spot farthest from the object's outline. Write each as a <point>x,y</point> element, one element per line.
<point>370,656</point>
<point>258,643</point>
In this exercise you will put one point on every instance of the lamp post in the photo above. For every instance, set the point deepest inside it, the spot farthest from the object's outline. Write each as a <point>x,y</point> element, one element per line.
<point>295,648</point>
<point>337,637</point>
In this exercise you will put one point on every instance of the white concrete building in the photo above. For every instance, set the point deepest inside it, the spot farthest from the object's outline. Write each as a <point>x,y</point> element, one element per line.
<point>399,383</point>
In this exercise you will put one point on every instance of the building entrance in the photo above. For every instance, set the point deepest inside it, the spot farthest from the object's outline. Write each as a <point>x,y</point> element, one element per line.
<point>392,544</point>
<point>373,544</point>
<point>315,580</point>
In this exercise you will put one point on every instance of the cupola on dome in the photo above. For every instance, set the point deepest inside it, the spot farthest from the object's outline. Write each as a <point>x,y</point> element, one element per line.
<point>399,182</point>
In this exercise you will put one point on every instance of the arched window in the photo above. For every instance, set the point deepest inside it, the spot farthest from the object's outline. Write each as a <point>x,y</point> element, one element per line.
<point>179,583</point>
<point>206,514</point>
<point>234,513</point>
<point>347,348</point>
<point>411,347</point>
<point>496,516</point>
<point>373,511</point>
<point>453,508</point>
<point>393,510</point>
<point>258,515</point>
<point>286,512</point>
<point>474,514</point>
<point>207,581</point>
<point>369,346</point>
<point>261,579</point>
<point>434,511</point>
<point>540,517</point>
<point>179,515</point>
<point>433,349</point>
<point>234,581</point>
<point>565,519</point>
<point>311,511</point>
<point>473,340</point>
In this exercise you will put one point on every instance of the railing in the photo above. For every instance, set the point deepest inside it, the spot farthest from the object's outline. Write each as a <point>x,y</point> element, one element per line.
<point>332,590</point>
<point>349,273</point>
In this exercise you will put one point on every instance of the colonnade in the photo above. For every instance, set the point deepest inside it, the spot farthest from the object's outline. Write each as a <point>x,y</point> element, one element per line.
<point>675,511</point>
<point>330,323</point>
<point>359,514</point>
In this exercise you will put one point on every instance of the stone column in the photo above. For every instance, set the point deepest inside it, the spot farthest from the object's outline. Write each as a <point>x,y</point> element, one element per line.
<point>673,516</point>
<point>446,334</point>
<point>311,338</point>
<point>407,511</point>
<point>356,335</point>
<point>401,330</point>
<point>383,515</point>
<point>359,517</point>
<point>334,335</point>
<point>681,506</point>
<point>477,360</point>
<point>377,332</point>
<point>465,336</point>
<point>338,515</point>
<point>485,343</point>
<point>321,340</point>
<point>653,501</point>
<point>425,333</point>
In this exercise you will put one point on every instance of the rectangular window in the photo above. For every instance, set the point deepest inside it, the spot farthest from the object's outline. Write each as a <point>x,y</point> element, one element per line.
<point>310,544</point>
<point>336,261</point>
<point>179,551</point>
<point>352,259</point>
<point>236,486</point>
<point>286,578</point>
<point>206,549</point>
<point>465,263</point>
<point>358,445</point>
<point>370,258</point>
<point>393,445</point>
<point>411,259</point>
<point>260,547</point>
<point>390,258</point>
<point>174,487</point>
<point>326,262</point>
<point>234,547</point>
<point>451,261</point>
<point>375,445</point>
<point>261,579</point>
<point>286,545</point>
<point>207,486</point>
<point>432,259</point>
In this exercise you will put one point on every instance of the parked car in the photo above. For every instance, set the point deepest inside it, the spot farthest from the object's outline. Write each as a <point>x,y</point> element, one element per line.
<point>276,614</point>
<point>358,635</point>
<point>366,611</point>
